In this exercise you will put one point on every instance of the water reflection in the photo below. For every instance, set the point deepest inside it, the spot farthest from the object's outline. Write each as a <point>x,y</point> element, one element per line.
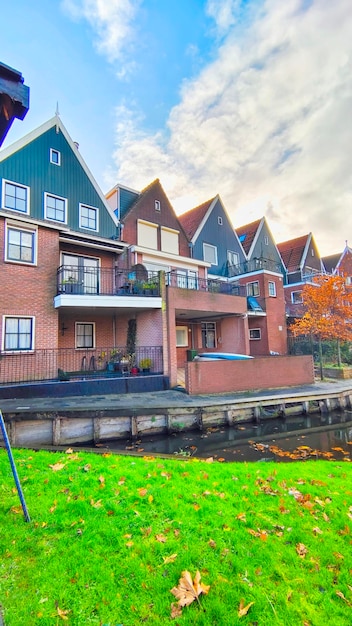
<point>322,434</point>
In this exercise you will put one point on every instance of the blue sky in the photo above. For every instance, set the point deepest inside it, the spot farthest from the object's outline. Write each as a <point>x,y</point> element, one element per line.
<point>249,99</point>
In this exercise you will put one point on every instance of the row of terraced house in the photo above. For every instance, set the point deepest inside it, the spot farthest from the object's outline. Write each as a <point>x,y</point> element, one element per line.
<point>118,283</point>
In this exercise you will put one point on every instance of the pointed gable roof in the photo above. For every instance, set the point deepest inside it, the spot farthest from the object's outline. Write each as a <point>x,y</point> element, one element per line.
<point>55,121</point>
<point>293,252</point>
<point>192,219</point>
<point>247,234</point>
<point>331,262</point>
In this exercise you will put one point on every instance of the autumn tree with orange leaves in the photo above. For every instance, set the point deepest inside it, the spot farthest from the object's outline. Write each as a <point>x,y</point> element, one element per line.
<point>328,312</point>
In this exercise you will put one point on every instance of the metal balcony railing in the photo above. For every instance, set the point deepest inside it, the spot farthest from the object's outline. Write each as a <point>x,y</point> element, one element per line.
<point>254,265</point>
<point>70,363</point>
<point>91,280</point>
<point>184,281</point>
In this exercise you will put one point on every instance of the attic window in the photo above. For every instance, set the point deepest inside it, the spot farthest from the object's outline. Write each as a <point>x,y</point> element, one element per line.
<point>157,205</point>
<point>312,252</point>
<point>266,240</point>
<point>220,220</point>
<point>55,157</point>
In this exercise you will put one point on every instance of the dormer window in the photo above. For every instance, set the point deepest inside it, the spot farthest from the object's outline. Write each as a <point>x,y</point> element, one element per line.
<point>157,205</point>
<point>55,157</point>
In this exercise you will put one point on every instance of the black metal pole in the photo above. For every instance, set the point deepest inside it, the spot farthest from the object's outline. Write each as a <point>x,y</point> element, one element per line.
<point>13,467</point>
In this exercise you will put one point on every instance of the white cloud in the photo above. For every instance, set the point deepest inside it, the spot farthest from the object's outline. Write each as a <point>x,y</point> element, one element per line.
<point>267,122</point>
<point>110,19</point>
<point>224,13</point>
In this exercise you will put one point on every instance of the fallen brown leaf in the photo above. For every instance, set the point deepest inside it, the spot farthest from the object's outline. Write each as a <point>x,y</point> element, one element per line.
<point>188,590</point>
<point>243,610</point>
<point>57,467</point>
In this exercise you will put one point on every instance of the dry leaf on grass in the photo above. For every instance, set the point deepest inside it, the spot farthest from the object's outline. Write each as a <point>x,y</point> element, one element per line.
<point>187,591</point>
<point>169,559</point>
<point>57,467</point>
<point>301,550</point>
<point>243,609</point>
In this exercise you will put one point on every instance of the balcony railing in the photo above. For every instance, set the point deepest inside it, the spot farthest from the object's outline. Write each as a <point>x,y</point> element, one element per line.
<point>69,363</point>
<point>253,266</point>
<point>183,281</point>
<point>90,280</point>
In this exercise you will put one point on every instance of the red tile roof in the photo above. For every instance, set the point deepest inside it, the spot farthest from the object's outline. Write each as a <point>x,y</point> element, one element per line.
<point>292,252</point>
<point>191,220</point>
<point>247,233</point>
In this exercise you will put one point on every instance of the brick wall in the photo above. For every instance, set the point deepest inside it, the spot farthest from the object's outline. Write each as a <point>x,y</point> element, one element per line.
<point>204,377</point>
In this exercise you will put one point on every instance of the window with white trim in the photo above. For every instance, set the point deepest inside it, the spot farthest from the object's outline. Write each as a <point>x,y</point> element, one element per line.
<point>85,334</point>
<point>147,234</point>
<point>233,258</point>
<point>272,288</point>
<point>15,197</point>
<point>21,245</point>
<point>192,279</point>
<point>210,254</point>
<point>253,288</point>
<point>157,205</point>
<point>169,239</point>
<point>55,156</point>
<point>296,297</point>
<point>88,217</point>
<point>181,336</point>
<point>208,334</point>
<point>255,333</point>
<point>220,222</point>
<point>55,208</point>
<point>18,333</point>
<point>266,240</point>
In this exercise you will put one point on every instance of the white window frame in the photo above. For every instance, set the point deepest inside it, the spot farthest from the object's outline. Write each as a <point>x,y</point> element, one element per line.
<point>90,208</point>
<point>272,289</point>
<point>220,220</point>
<point>157,205</point>
<point>296,299</point>
<point>34,247</point>
<point>18,350</point>
<point>255,334</point>
<point>64,200</point>
<point>169,240</point>
<point>266,240</point>
<point>192,279</point>
<point>233,258</point>
<point>181,336</point>
<point>6,182</point>
<point>251,291</point>
<point>52,152</point>
<point>208,329</point>
<point>92,325</point>
<point>212,249</point>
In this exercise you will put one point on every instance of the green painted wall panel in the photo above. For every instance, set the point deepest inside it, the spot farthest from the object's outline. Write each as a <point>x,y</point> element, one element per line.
<point>31,166</point>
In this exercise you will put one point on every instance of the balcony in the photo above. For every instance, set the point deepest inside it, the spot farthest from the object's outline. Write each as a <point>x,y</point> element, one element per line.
<point>106,289</point>
<point>210,285</point>
<point>254,265</point>
<point>93,281</point>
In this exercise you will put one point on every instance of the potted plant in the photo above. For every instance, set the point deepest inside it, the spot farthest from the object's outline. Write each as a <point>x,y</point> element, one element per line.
<point>71,285</point>
<point>114,360</point>
<point>145,364</point>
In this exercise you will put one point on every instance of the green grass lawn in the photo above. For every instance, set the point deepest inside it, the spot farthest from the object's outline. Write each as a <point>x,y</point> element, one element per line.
<point>110,536</point>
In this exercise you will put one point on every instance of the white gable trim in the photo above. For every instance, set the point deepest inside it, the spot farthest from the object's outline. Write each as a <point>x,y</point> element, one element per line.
<point>34,134</point>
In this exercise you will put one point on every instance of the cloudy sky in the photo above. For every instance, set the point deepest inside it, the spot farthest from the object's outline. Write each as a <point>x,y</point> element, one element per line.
<point>249,99</point>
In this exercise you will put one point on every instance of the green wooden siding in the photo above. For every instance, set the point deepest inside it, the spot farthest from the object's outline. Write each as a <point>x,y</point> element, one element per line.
<point>31,166</point>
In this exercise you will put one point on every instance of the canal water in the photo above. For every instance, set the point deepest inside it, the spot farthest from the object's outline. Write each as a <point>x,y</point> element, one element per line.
<point>284,439</point>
